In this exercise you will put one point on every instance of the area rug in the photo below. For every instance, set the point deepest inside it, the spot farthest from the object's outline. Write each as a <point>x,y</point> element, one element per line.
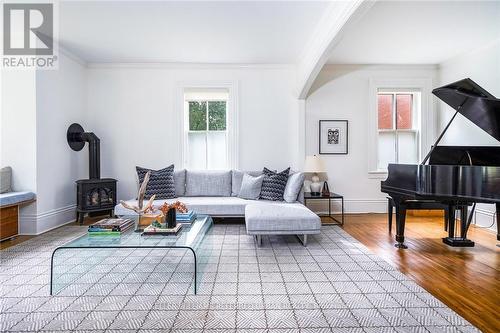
<point>335,284</point>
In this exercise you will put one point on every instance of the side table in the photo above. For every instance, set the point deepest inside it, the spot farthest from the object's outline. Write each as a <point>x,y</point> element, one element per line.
<point>332,196</point>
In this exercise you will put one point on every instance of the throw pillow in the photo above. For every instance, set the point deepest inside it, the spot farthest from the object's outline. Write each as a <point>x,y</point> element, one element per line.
<point>293,186</point>
<point>180,182</point>
<point>161,182</point>
<point>273,185</point>
<point>250,187</point>
<point>5,179</point>
<point>237,177</point>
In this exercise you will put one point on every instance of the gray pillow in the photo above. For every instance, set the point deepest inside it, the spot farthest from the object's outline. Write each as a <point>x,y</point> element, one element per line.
<point>250,187</point>
<point>237,177</point>
<point>293,186</point>
<point>5,179</point>
<point>180,182</point>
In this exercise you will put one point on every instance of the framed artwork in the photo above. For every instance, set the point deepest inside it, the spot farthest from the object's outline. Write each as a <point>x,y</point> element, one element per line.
<point>333,137</point>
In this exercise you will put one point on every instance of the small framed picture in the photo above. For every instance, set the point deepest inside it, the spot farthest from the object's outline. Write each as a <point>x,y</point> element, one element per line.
<point>333,137</point>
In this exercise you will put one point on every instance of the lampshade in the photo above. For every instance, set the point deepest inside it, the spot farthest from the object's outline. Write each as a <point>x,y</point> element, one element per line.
<point>314,164</point>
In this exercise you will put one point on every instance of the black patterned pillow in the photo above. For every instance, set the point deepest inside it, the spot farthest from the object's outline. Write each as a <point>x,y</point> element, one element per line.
<point>273,185</point>
<point>161,182</point>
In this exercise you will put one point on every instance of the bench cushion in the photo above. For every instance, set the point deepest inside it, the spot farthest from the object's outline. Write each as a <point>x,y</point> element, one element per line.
<point>280,218</point>
<point>13,198</point>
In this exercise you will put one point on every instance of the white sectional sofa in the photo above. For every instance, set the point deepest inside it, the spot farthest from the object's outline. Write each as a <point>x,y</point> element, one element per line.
<point>215,193</point>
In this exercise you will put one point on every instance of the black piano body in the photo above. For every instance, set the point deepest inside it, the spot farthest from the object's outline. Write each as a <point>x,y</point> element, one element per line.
<point>456,176</point>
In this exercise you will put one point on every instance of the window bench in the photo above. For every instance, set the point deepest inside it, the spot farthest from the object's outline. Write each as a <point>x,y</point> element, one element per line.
<point>9,212</point>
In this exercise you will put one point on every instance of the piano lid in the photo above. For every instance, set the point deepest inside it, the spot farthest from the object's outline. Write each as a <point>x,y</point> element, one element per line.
<point>473,102</point>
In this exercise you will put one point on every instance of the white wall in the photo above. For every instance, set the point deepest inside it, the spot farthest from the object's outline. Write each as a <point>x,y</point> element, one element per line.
<point>483,67</point>
<point>18,133</point>
<point>60,100</point>
<point>37,108</point>
<point>18,125</point>
<point>136,110</point>
<point>342,92</point>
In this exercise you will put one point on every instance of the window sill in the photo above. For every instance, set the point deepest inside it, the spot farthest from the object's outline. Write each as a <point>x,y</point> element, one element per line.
<point>378,174</point>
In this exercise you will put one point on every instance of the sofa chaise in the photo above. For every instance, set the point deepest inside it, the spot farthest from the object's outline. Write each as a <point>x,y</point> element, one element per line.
<point>215,193</point>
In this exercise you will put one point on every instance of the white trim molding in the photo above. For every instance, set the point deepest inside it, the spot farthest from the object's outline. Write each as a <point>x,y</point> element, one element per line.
<point>427,116</point>
<point>36,224</point>
<point>338,17</point>
<point>485,218</point>
<point>232,119</point>
<point>351,206</point>
<point>187,65</point>
<point>70,55</point>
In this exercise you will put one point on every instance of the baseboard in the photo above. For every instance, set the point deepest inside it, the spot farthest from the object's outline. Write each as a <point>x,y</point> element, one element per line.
<point>27,224</point>
<point>485,218</point>
<point>36,224</point>
<point>353,206</point>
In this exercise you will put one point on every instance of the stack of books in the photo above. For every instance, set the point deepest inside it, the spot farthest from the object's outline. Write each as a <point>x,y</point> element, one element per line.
<point>151,230</point>
<point>110,227</point>
<point>186,218</point>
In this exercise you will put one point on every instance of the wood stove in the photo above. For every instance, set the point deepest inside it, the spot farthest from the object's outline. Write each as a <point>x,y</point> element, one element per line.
<point>95,195</point>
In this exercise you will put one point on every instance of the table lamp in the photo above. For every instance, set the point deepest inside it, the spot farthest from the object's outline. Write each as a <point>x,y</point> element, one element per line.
<point>314,164</point>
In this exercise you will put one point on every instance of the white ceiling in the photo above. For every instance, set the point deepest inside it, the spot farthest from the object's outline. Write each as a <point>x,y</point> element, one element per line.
<point>425,32</point>
<point>189,32</point>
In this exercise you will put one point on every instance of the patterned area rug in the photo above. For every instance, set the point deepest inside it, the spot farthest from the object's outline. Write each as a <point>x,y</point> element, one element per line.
<point>333,285</point>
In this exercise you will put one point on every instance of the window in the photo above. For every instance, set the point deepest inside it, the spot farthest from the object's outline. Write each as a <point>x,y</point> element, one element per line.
<point>206,114</point>
<point>398,129</point>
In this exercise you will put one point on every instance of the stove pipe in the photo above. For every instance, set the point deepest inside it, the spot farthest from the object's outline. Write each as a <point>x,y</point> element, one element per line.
<point>76,138</point>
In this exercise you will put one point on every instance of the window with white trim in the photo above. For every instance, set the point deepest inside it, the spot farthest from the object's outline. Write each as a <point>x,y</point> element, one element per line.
<point>206,129</point>
<point>398,130</point>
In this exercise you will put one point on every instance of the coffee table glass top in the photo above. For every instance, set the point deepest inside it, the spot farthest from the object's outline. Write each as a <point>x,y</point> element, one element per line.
<point>84,261</point>
<point>188,236</point>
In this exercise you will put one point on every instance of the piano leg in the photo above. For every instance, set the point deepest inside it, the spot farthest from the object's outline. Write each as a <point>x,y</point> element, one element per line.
<point>463,222</point>
<point>451,221</point>
<point>462,240</point>
<point>446,213</point>
<point>389,212</point>
<point>400,224</point>
<point>498,221</point>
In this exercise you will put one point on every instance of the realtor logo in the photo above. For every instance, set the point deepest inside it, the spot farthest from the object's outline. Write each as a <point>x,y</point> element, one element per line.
<point>28,36</point>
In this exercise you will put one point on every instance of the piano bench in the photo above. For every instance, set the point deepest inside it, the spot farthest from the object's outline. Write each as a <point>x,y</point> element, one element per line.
<point>418,205</point>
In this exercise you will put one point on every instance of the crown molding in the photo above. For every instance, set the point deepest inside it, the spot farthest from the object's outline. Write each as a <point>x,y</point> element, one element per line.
<point>451,61</point>
<point>182,65</point>
<point>72,56</point>
<point>380,66</point>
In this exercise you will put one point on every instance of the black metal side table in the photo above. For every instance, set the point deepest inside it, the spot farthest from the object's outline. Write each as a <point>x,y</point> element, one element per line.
<point>330,197</point>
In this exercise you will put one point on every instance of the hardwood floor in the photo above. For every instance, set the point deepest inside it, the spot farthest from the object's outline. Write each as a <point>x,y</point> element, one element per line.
<point>465,279</point>
<point>11,242</point>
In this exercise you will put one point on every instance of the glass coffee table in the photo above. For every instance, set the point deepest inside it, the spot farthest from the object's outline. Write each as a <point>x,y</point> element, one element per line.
<point>189,237</point>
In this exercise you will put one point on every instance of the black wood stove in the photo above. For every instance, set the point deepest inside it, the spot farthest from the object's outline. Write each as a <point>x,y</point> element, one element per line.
<point>95,195</point>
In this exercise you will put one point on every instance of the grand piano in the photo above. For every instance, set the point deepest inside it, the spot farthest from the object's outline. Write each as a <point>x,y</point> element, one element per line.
<point>455,176</point>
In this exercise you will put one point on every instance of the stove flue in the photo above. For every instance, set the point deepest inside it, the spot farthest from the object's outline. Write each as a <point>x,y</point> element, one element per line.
<point>93,195</point>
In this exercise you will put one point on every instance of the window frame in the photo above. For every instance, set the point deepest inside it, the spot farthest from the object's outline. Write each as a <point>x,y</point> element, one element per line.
<point>231,119</point>
<point>415,113</point>
<point>207,130</point>
<point>427,116</point>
